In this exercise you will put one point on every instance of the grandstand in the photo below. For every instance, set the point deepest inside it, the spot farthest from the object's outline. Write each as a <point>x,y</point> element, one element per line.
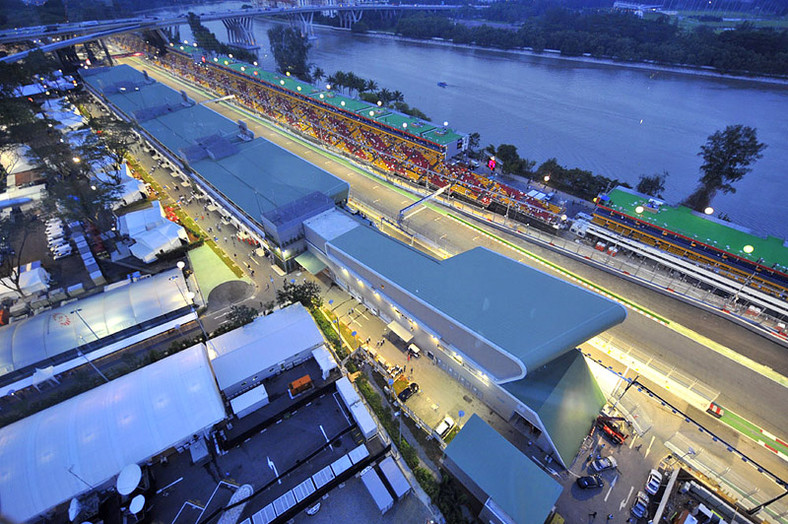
<point>736,252</point>
<point>408,147</point>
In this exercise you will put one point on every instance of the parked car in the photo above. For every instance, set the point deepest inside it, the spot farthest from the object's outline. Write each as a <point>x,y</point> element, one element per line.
<point>408,392</point>
<point>590,482</point>
<point>603,463</point>
<point>445,426</point>
<point>640,506</point>
<point>62,254</point>
<point>59,246</point>
<point>654,482</point>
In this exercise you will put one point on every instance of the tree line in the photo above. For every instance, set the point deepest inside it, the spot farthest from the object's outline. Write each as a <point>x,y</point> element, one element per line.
<point>205,39</point>
<point>619,36</point>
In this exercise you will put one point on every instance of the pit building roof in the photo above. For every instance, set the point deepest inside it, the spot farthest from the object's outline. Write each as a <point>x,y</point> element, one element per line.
<point>257,175</point>
<point>531,317</point>
<point>526,493</point>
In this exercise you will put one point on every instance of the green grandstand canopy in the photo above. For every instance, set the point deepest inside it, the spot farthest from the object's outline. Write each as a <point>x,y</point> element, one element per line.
<point>517,485</point>
<point>711,231</point>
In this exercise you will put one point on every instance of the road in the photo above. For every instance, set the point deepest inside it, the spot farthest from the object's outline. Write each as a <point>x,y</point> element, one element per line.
<point>743,390</point>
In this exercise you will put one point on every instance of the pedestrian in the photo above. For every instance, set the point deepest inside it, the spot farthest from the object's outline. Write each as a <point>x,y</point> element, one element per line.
<point>267,287</point>
<point>253,272</point>
<point>225,238</point>
<point>592,515</point>
<point>610,517</point>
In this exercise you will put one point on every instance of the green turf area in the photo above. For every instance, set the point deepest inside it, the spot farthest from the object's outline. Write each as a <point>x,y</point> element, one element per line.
<point>684,221</point>
<point>210,270</point>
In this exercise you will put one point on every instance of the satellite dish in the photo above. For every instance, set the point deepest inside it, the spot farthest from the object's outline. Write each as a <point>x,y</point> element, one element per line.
<point>137,503</point>
<point>73,509</point>
<point>128,479</point>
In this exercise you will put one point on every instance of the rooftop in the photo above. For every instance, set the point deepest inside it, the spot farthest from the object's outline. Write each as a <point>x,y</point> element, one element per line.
<point>52,333</point>
<point>476,288</point>
<point>258,176</point>
<point>565,396</point>
<point>526,493</point>
<point>56,454</point>
<point>711,231</point>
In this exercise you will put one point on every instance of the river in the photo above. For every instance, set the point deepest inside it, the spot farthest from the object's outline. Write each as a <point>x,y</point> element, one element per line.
<point>616,121</point>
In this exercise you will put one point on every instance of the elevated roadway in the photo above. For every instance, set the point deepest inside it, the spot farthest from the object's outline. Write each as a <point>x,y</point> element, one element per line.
<point>691,350</point>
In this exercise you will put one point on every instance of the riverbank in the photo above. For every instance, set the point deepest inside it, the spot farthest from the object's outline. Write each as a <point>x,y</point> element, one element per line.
<point>556,55</point>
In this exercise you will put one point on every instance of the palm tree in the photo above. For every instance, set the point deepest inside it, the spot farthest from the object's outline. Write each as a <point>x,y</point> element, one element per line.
<point>318,74</point>
<point>370,85</point>
<point>332,80</point>
<point>397,96</point>
<point>385,96</point>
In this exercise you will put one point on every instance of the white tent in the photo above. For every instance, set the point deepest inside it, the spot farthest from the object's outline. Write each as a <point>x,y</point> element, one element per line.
<point>152,232</point>
<point>51,456</point>
<point>324,360</point>
<point>32,281</point>
<point>131,189</point>
<point>17,159</point>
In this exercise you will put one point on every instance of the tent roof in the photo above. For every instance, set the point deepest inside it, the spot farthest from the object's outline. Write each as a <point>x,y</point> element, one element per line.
<point>549,317</point>
<point>57,331</point>
<point>94,435</point>
<point>517,485</point>
<point>263,343</point>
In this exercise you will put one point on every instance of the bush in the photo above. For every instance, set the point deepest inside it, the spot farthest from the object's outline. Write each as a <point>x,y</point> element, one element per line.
<point>351,366</point>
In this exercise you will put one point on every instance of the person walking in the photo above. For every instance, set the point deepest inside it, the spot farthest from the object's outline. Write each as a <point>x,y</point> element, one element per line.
<point>592,515</point>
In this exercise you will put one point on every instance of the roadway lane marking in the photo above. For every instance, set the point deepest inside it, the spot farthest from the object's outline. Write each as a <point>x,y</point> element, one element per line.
<point>632,442</point>
<point>612,485</point>
<point>626,500</point>
<point>648,450</point>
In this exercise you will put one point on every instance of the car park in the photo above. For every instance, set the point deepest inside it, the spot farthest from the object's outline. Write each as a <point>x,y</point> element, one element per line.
<point>602,464</point>
<point>653,482</point>
<point>408,392</point>
<point>590,482</point>
<point>640,506</point>
<point>445,426</point>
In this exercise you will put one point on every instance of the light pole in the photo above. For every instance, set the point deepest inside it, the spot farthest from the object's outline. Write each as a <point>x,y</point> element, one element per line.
<point>188,297</point>
<point>79,351</point>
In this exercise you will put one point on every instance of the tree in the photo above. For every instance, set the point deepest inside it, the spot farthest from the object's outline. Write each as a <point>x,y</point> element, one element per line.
<point>307,293</point>
<point>242,315</point>
<point>318,74</point>
<point>290,49</point>
<point>117,136</point>
<point>727,157</point>
<point>15,228</point>
<point>652,185</point>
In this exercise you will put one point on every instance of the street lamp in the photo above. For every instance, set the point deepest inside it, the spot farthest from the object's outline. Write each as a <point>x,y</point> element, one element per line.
<point>76,160</point>
<point>639,209</point>
<point>79,351</point>
<point>748,249</point>
<point>709,210</point>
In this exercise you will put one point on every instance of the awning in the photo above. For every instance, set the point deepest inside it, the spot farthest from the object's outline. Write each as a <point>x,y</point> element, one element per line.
<point>402,332</point>
<point>310,262</point>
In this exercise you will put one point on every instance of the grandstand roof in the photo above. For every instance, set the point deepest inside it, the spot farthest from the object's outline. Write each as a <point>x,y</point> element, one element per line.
<point>258,176</point>
<point>531,316</point>
<point>57,331</point>
<point>335,99</point>
<point>711,231</point>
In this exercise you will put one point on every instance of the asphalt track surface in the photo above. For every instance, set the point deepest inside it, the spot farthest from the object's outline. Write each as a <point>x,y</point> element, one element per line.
<point>743,390</point>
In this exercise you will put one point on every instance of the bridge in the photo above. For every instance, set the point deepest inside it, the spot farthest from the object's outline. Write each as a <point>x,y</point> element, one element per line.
<point>238,24</point>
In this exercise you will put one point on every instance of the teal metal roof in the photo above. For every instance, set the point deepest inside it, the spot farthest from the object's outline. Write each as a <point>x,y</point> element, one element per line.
<point>516,484</point>
<point>566,397</point>
<point>257,176</point>
<point>531,316</point>
<point>262,176</point>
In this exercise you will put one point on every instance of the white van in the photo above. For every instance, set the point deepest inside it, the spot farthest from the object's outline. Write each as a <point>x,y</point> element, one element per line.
<point>414,350</point>
<point>444,427</point>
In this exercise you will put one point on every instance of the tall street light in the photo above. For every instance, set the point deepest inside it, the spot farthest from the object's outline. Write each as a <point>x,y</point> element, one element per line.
<point>79,351</point>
